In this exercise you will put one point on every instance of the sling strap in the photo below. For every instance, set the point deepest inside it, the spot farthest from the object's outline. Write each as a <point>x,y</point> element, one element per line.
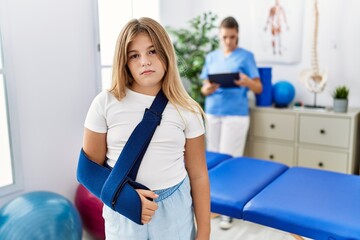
<point>108,184</point>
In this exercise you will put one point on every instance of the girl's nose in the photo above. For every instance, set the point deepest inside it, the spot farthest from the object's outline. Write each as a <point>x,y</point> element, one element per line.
<point>145,61</point>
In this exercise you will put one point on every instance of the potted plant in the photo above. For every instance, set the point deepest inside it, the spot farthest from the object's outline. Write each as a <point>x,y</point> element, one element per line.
<point>191,45</point>
<point>340,95</point>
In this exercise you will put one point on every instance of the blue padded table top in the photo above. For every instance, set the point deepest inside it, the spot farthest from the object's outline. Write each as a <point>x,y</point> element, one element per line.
<point>313,203</point>
<point>235,181</point>
<point>214,158</point>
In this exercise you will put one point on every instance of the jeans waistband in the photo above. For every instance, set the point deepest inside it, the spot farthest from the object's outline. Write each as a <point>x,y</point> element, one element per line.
<point>163,193</point>
<point>167,192</point>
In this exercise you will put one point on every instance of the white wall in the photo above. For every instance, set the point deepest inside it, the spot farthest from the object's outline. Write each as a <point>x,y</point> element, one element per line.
<point>51,51</point>
<point>338,48</point>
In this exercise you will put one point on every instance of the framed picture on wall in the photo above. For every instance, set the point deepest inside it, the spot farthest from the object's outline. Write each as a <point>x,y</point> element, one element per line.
<point>277,30</point>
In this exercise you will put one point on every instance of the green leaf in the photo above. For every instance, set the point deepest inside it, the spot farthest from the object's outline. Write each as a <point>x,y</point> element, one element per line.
<point>191,45</point>
<point>341,92</point>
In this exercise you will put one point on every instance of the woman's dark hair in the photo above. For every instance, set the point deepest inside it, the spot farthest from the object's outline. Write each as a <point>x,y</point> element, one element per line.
<point>230,22</point>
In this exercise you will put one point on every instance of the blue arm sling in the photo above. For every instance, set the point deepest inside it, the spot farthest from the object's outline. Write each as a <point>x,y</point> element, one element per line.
<point>116,187</point>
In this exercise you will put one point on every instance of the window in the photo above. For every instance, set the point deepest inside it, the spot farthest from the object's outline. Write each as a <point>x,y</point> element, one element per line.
<point>6,163</point>
<point>112,16</point>
<point>11,179</point>
<point>6,169</point>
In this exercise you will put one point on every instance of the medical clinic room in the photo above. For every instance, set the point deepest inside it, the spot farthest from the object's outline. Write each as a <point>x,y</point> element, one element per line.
<point>179,120</point>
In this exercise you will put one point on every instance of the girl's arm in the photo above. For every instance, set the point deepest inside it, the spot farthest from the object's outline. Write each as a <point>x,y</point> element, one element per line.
<point>195,164</point>
<point>94,145</point>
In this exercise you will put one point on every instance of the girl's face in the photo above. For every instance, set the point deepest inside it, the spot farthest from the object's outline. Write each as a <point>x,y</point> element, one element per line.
<point>229,39</point>
<point>145,65</point>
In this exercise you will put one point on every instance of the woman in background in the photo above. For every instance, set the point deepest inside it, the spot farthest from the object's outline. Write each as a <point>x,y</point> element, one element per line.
<point>227,109</point>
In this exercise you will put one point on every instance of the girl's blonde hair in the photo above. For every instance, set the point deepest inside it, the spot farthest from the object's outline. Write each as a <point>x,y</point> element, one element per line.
<point>172,85</point>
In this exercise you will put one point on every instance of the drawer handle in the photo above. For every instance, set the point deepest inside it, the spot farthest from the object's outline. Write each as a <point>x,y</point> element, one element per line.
<point>322,131</point>
<point>272,126</point>
<point>321,164</point>
<point>271,156</point>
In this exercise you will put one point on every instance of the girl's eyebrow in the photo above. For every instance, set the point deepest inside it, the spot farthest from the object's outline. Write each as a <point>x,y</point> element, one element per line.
<point>134,50</point>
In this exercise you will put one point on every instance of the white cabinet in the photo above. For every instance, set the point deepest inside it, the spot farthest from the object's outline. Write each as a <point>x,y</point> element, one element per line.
<point>320,158</point>
<point>328,131</point>
<point>278,152</point>
<point>309,138</point>
<point>275,126</point>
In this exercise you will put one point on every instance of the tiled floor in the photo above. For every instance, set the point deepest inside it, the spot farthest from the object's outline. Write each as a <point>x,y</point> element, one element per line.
<point>240,231</point>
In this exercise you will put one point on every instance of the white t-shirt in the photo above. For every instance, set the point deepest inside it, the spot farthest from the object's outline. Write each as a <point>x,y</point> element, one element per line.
<point>163,163</point>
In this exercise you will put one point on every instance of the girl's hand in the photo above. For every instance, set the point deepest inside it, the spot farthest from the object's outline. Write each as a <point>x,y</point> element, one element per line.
<point>148,207</point>
<point>209,88</point>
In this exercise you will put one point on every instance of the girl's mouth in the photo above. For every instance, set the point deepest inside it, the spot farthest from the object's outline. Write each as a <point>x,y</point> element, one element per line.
<point>147,72</point>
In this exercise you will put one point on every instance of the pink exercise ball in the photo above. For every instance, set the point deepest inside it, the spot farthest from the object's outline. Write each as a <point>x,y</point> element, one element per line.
<point>90,209</point>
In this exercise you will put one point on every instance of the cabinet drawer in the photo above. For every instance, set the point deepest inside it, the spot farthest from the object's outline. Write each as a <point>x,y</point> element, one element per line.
<point>271,151</point>
<point>333,161</point>
<point>325,131</point>
<point>276,126</point>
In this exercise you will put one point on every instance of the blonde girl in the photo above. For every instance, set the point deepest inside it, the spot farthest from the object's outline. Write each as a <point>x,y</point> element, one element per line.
<point>174,165</point>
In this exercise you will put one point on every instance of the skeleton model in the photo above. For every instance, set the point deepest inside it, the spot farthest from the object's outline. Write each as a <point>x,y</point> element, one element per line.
<point>313,79</point>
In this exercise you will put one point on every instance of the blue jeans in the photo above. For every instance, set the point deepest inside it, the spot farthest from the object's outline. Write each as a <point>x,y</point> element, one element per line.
<point>174,219</point>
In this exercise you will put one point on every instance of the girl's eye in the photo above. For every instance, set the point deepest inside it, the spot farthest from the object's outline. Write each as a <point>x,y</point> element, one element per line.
<point>152,51</point>
<point>133,56</point>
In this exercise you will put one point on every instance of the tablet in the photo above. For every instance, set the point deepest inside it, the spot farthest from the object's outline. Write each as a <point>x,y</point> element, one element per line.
<point>226,80</point>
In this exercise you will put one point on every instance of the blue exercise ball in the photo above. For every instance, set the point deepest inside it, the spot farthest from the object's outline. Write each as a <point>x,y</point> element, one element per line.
<point>283,92</point>
<point>40,215</point>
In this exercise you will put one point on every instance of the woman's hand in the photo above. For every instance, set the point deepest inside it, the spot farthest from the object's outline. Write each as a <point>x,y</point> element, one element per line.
<point>243,81</point>
<point>209,88</point>
<point>254,84</point>
<point>148,207</point>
